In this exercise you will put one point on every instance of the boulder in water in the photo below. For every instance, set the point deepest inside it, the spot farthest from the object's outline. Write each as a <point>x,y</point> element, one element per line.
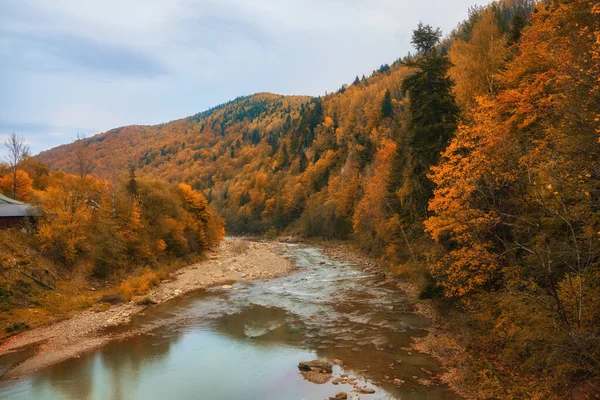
<point>339,396</point>
<point>364,390</point>
<point>316,376</point>
<point>321,366</point>
<point>316,371</point>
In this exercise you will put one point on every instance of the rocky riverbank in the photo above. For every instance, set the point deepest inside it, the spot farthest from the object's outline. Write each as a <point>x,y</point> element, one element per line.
<point>235,260</point>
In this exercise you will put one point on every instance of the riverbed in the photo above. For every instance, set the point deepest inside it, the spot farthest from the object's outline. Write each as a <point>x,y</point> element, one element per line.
<point>245,342</point>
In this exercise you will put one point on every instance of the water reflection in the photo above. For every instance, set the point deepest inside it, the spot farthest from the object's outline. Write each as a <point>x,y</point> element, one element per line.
<point>126,363</point>
<point>246,342</point>
<point>9,360</point>
<point>263,325</point>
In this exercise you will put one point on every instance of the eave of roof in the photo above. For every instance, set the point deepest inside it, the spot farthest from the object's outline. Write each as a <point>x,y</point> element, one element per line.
<point>8,200</point>
<point>19,210</point>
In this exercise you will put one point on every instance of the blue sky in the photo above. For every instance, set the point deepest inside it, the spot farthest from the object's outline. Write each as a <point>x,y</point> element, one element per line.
<point>86,66</point>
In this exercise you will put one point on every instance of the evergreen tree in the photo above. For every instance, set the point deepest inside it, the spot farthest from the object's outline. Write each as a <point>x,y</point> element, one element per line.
<point>356,80</point>
<point>387,110</point>
<point>425,38</point>
<point>285,158</point>
<point>432,121</point>
<point>303,162</point>
<point>132,186</point>
<point>384,69</point>
<point>244,199</point>
<point>518,23</point>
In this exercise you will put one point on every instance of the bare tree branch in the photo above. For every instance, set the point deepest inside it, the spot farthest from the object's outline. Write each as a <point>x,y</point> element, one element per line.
<point>18,151</point>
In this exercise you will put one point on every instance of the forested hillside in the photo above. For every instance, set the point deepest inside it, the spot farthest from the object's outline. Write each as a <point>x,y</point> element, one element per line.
<point>471,167</point>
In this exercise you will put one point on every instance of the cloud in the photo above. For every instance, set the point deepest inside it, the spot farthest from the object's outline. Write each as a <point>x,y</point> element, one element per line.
<point>109,63</point>
<point>49,52</point>
<point>40,136</point>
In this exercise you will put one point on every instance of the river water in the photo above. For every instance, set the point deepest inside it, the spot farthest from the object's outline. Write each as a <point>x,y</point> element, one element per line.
<point>246,342</point>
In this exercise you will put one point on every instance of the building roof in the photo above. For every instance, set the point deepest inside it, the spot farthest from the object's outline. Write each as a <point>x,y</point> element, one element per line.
<point>14,208</point>
<point>8,200</point>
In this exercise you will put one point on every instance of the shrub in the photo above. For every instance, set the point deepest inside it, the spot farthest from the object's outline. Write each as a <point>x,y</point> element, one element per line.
<point>139,285</point>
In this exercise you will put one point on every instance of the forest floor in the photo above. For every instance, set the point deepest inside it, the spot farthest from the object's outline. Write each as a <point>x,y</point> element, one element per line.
<point>233,261</point>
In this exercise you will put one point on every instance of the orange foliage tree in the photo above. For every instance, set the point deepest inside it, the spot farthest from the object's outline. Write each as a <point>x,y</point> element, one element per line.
<point>515,207</point>
<point>17,185</point>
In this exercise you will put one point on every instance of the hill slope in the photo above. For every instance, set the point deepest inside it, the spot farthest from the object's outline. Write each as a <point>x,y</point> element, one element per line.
<point>250,154</point>
<point>177,141</point>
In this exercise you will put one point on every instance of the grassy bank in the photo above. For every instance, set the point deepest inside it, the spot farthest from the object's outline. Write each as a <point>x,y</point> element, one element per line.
<point>36,291</point>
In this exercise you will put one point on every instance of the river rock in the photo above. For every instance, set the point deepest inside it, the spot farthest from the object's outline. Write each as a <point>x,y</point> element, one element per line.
<point>339,396</point>
<point>365,390</point>
<point>316,376</point>
<point>322,366</point>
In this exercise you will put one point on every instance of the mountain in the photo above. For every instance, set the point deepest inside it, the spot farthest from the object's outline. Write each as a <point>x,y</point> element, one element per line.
<point>177,141</point>
<point>248,156</point>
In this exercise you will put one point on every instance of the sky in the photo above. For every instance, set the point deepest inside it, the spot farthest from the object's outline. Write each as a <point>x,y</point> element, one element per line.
<point>71,67</point>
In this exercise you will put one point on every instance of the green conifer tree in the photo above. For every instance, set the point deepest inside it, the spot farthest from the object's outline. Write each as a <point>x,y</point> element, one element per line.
<point>387,110</point>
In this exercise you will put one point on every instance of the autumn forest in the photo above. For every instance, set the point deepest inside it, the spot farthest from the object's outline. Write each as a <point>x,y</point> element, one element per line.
<point>470,167</point>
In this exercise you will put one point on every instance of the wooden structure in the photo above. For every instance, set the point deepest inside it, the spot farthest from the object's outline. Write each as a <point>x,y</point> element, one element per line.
<point>14,213</point>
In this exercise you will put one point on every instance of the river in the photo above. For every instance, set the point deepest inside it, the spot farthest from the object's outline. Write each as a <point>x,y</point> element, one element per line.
<point>246,342</point>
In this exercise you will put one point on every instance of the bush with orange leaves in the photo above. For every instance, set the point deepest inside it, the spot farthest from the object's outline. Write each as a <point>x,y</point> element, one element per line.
<point>90,219</point>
